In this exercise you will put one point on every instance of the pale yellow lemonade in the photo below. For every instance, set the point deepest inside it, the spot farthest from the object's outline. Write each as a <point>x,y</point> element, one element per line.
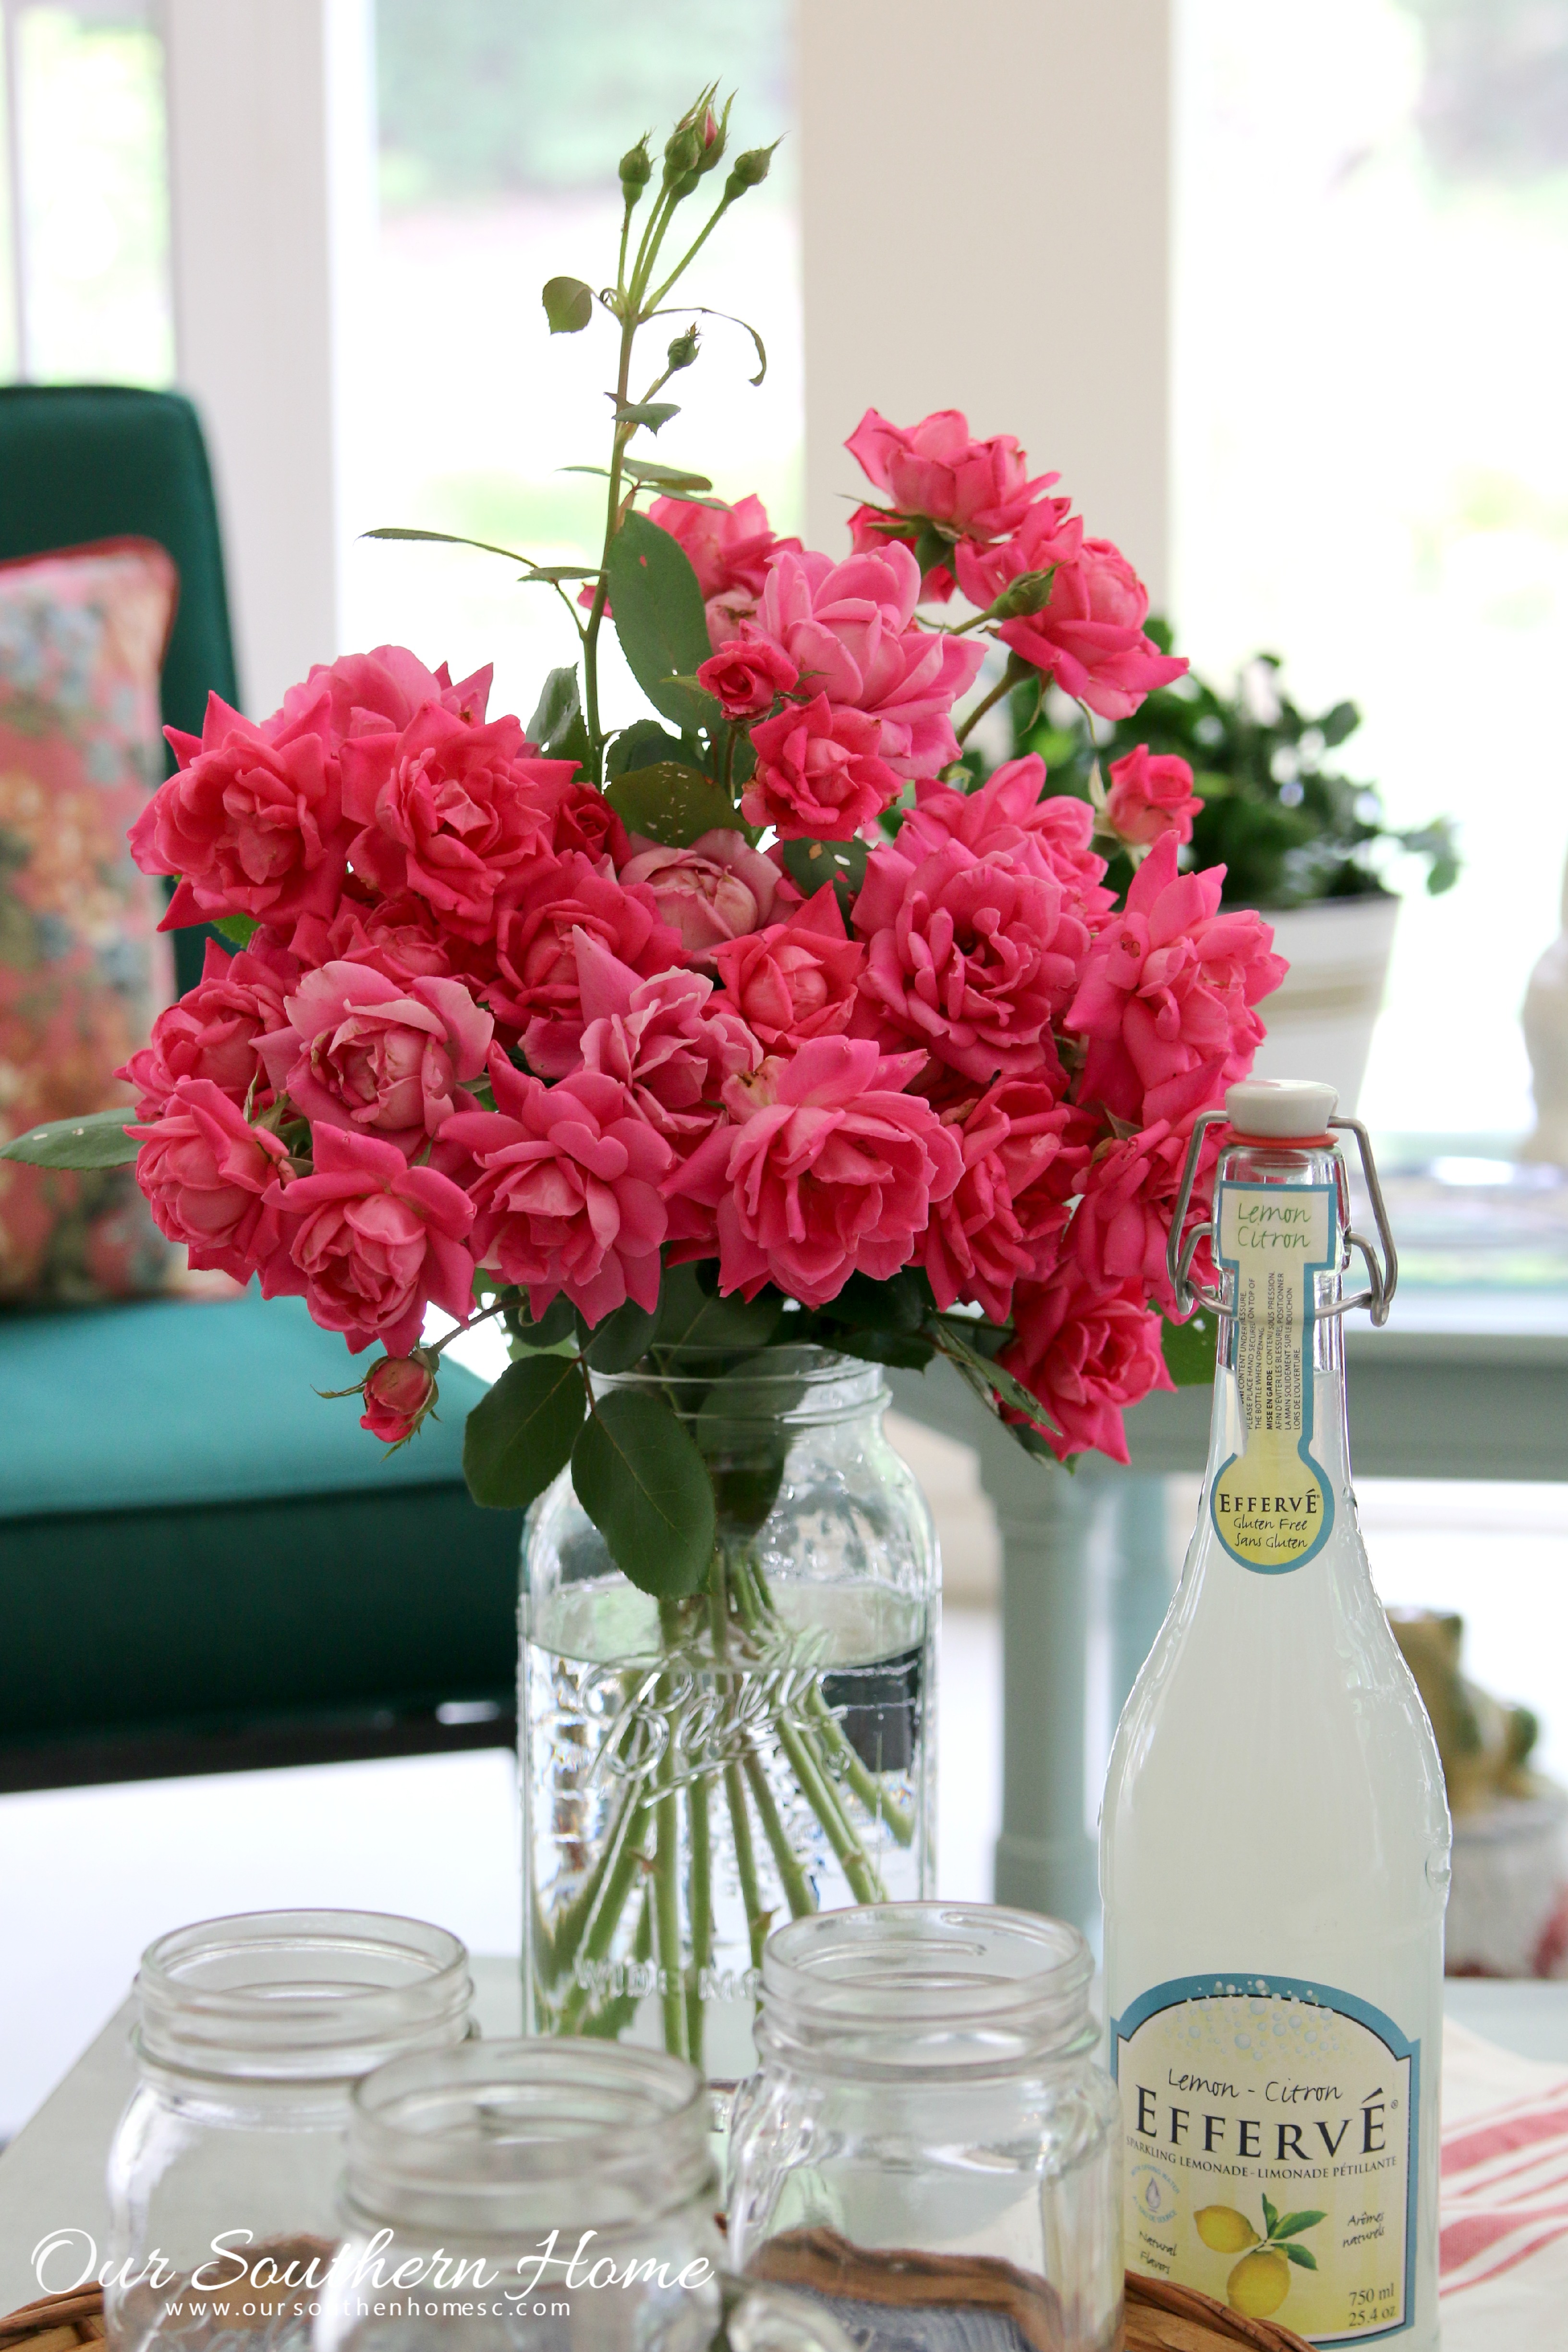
<point>1274,1841</point>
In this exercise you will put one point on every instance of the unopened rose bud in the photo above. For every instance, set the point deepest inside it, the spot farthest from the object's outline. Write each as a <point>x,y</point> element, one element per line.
<point>398,1393</point>
<point>749,171</point>
<point>636,168</point>
<point>683,351</point>
<point>682,154</point>
<point>1030,593</point>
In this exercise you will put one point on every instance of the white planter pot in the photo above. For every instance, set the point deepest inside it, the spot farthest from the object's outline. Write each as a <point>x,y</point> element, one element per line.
<point>1320,1019</point>
<point>1545,1020</point>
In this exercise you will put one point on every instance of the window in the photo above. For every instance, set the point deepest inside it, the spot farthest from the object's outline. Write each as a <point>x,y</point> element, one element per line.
<point>1372,226</point>
<point>84,282</point>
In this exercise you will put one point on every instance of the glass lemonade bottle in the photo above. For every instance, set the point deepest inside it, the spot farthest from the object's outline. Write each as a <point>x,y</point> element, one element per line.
<point>1274,1842</point>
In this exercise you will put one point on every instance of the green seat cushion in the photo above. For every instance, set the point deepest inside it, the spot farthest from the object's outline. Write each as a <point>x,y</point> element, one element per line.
<point>190,1536</point>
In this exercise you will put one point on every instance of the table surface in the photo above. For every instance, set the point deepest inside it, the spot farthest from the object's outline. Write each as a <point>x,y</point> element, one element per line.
<point>51,2175</point>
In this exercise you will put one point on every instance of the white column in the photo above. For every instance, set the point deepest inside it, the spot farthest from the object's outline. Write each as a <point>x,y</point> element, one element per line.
<point>986,209</point>
<point>271,149</point>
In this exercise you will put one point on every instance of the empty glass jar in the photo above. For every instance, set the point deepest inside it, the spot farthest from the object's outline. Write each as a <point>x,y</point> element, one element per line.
<point>557,2194</point>
<point>928,2134</point>
<point>223,2176</point>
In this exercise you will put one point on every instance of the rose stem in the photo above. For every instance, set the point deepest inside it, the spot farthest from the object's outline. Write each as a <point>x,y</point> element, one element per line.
<point>612,2020</point>
<point>607,1917</point>
<point>667,1907</point>
<point>746,1862</point>
<point>579,1911</point>
<point>701,1909</point>
<point>791,1876</point>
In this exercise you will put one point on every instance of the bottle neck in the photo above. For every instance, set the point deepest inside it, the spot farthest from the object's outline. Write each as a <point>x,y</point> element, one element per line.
<point>1278,1469</point>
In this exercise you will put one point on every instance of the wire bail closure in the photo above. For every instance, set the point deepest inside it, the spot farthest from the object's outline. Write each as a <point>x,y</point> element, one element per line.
<point>1383,1275</point>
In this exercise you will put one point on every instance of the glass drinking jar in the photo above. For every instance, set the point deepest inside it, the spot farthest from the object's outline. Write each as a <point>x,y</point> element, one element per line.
<point>552,2192</point>
<point>928,2130</point>
<point>764,1748</point>
<point>223,2176</point>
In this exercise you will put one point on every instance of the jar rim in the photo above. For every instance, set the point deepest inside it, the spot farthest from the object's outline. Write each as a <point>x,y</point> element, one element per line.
<point>300,1996</point>
<point>499,2137</point>
<point>902,1986</point>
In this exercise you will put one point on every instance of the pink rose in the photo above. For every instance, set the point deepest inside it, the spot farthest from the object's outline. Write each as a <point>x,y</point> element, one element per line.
<point>212,1032</point>
<point>1087,1354</point>
<point>398,1393</point>
<point>384,1056</point>
<point>936,473</point>
<point>536,986</point>
<point>970,957</point>
<point>1166,998</point>
<point>367,694</point>
<point>401,936</point>
<point>1003,1220</point>
<point>1151,793</point>
<point>211,1179</point>
<point>796,980</point>
<point>1089,636</point>
<point>746,675</point>
<point>715,890</point>
<point>1006,818</point>
<point>454,813</point>
<point>729,548</point>
<point>585,821</point>
<point>252,822</point>
<point>568,1199</point>
<point>369,1242</point>
<point>1122,1221</point>
<point>819,773</point>
<point>670,1041</point>
<point>847,629</point>
<point>829,1168</point>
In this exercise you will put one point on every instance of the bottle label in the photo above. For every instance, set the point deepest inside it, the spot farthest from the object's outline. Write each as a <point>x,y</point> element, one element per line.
<point>1272,1506</point>
<point>1270,2147</point>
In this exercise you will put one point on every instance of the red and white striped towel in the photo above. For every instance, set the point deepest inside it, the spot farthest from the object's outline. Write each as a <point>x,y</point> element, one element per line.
<point>1504,2233</point>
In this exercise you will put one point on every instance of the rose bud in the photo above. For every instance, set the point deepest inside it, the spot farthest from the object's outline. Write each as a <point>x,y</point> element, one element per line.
<point>747,675</point>
<point>398,1393</point>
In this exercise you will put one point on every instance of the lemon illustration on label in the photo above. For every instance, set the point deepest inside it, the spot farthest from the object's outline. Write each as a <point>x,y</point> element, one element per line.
<point>1261,2282</point>
<point>1271,1506</point>
<point>1224,2230</point>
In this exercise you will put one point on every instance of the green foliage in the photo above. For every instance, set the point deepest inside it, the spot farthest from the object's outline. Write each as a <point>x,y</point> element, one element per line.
<point>692,1315</point>
<point>1189,1349</point>
<point>842,863</point>
<point>557,725</point>
<point>650,413</point>
<point>519,1436</point>
<point>659,619</point>
<point>568,305</point>
<point>620,1341</point>
<point>673,804</point>
<point>97,1138</point>
<point>645,745</point>
<point>1288,827</point>
<point>238,930</point>
<point>642,1482</point>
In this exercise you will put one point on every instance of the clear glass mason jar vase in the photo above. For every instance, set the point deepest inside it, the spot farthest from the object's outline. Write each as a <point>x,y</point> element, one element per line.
<point>554,2193</point>
<point>696,1770</point>
<point>928,2136</point>
<point>250,2036</point>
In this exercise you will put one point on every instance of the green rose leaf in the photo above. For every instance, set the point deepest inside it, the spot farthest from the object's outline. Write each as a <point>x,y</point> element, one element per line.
<point>238,930</point>
<point>660,620</point>
<point>1296,2221</point>
<point>557,1323</point>
<point>644,1485</point>
<point>557,725</point>
<point>1032,1442</point>
<point>650,413</point>
<point>1308,2262</point>
<point>691,1316</point>
<point>961,1351</point>
<point>568,305</point>
<point>621,1340</point>
<point>813,863</point>
<point>671,803</point>
<point>663,478</point>
<point>644,745</point>
<point>485,547</point>
<point>97,1138</point>
<point>904,1350</point>
<point>519,1436</point>
<point>1189,1349</point>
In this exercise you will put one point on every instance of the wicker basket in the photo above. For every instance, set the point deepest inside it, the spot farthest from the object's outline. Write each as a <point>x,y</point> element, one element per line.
<point>1160,2318</point>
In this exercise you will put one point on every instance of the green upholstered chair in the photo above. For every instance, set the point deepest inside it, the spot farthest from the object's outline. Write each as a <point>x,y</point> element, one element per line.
<point>202,1565</point>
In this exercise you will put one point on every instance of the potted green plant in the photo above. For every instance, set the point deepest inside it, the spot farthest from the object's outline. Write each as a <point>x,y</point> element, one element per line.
<point>1298,837</point>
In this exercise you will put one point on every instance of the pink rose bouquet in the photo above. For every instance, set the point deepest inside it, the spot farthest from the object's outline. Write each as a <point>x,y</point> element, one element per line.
<point>769,1017</point>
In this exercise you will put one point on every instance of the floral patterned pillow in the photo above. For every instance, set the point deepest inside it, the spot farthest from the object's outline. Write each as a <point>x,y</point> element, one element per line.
<point>82,969</point>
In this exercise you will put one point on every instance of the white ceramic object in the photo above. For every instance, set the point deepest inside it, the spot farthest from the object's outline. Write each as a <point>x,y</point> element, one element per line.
<point>1544,1020</point>
<point>1320,1020</point>
<point>1511,1876</point>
